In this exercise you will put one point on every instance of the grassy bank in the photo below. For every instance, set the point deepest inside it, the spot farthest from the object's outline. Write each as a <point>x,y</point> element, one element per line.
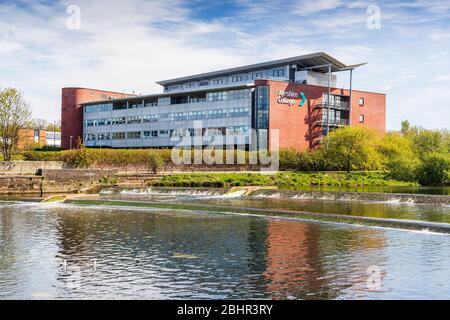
<point>283,180</point>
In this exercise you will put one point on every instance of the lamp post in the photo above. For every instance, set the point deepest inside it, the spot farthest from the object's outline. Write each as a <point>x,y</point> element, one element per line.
<point>71,142</point>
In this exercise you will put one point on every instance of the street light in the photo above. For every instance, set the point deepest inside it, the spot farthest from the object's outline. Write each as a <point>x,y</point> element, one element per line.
<point>71,142</point>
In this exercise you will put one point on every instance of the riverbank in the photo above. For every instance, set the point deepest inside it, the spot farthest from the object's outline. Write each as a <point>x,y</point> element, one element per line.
<point>282,180</point>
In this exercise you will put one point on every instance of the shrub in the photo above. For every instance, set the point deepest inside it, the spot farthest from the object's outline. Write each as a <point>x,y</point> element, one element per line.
<point>434,170</point>
<point>155,162</point>
<point>352,148</point>
<point>78,158</point>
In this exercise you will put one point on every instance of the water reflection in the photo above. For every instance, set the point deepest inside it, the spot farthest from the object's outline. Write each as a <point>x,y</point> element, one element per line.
<point>64,251</point>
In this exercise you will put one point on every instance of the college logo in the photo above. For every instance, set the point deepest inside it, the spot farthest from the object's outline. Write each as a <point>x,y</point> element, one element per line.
<point>289,97</point>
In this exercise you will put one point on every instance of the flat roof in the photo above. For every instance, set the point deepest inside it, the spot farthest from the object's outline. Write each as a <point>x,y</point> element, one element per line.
<point>318,61</point>
<point>169,94</point>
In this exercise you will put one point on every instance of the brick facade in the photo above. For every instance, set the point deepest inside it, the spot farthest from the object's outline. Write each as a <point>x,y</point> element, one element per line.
<point>298,126</point>
<point>72,112</point>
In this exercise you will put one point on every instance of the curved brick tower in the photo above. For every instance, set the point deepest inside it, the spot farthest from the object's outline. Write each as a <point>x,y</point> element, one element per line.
<point>72,112</point>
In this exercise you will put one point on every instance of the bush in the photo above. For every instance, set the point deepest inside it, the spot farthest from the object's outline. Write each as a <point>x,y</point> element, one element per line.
<point>434,170</point>
<point>155,163</point>
<point>403,169</point>
<point>78,158</point>
<point>352,148</point>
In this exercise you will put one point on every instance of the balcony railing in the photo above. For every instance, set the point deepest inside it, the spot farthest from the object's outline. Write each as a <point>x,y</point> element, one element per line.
<point>333,122</point>
<point>338,105</point>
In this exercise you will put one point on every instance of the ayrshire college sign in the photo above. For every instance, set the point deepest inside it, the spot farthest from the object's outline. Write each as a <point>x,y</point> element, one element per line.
<point>289,97</point>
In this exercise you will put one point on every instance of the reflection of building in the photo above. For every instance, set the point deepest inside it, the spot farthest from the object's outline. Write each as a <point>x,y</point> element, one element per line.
<point>296,96</point>
<point>294,265</point>
<point>310,261</point>
<point>31,138</point>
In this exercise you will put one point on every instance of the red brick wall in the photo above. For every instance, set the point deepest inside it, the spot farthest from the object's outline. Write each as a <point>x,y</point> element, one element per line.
<point>72,112</point>
<point>296,124</point>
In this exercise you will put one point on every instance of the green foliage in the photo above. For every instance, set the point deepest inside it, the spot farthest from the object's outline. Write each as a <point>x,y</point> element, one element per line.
<point>15,114</point>
<point>285,180</point>
<point>434,170</point>
<point>410,156</point>
<point>78,158</point>
<point>155,162</point>
<point>353,148</point>
<point>398,157</point>
<point>425,142</point>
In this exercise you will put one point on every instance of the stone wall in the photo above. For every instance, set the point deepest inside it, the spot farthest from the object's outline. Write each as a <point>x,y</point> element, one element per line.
<point>67,175</point>
<point>28,167</point>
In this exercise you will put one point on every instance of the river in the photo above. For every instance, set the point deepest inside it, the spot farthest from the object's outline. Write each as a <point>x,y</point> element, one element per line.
<point>67,251</point>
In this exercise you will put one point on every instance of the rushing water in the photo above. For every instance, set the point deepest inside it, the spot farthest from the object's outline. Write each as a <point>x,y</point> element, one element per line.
<point>66,251</point>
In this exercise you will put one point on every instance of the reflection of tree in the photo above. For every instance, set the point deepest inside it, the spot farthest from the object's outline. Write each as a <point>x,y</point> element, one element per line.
<point>7,250</point>
<point>307,261</point>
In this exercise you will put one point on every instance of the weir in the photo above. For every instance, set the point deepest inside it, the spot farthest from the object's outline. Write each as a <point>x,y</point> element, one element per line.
<point>274,192</point>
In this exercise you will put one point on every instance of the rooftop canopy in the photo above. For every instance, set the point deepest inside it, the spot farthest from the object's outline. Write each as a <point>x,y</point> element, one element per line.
<point>318,62</point>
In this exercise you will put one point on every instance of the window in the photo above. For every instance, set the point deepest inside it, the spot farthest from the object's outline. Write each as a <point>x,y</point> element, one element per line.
<point>150,118</point>
<point>361,102</point>
<point>278,73</point>
<point>361,118</point>
<point>134,119</point>
<point>203,83</point>
<point>257,75</point>
<point>190,85</point>
<point>237,79</point>
<point>164,133</point>
<point>118,135</point>
<point>218,81</point>
<point>150,134</point>
<point>134,135</point>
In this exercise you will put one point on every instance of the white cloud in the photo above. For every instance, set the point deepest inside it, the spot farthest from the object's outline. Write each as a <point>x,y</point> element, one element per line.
<point>128,45</point>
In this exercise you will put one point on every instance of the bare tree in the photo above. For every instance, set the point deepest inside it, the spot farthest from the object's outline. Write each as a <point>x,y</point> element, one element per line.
<point>15,113</point>
<point>54,126</point>
<point>39,124</point>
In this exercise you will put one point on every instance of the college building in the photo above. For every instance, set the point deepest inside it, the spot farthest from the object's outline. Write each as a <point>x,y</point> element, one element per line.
<point>293,101</point>
<point>29,138</point>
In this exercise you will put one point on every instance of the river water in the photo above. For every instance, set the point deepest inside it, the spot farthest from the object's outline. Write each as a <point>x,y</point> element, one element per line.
<point>66,251</point>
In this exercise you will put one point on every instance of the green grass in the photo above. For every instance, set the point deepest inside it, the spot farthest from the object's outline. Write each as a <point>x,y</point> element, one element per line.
<point>283,180</point>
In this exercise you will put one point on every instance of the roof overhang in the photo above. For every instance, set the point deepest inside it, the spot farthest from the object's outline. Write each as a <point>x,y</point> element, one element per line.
<point>318,62</point>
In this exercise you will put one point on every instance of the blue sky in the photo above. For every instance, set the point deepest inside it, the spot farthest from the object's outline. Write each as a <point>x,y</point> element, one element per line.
<point>128,45</point>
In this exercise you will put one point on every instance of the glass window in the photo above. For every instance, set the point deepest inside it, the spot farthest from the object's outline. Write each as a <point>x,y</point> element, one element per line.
<point>361,118</point>
<point>361,101</point>
<point>134,135</point>
<point>118,135</point>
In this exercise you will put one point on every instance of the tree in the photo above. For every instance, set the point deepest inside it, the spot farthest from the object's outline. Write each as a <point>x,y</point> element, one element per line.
<point>434,170</point>
<point>54,126</point>
<point>15,113</point>
<point>353,148</point>
<point>406,127</point>
<point>426,142</point>
<point>39,124</point>
<point>155,163</point>
<point>398,156</point>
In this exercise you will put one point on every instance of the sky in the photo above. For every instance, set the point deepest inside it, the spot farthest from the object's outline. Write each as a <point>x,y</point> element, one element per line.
<point>128,45</point>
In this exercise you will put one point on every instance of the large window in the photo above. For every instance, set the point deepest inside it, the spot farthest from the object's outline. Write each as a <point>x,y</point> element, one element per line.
<point>118,135</point>
<point>151,134</point>
<point>278,73</point>
<point>134,135</point>
<point>98,108</point>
